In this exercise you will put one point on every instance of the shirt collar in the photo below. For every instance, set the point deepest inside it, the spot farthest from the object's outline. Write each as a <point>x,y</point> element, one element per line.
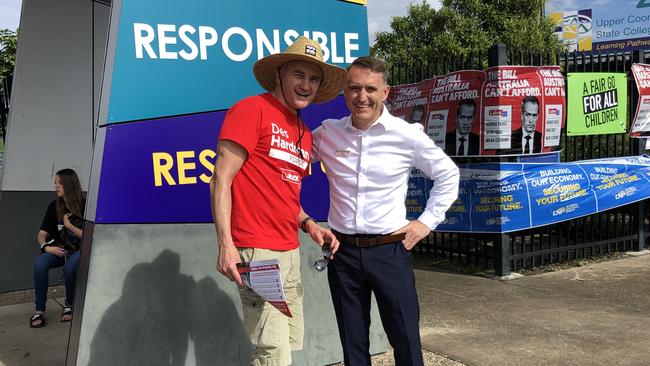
<point>385,120</point>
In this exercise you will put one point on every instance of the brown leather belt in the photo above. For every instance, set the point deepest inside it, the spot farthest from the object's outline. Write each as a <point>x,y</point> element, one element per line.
<point>368,240</point>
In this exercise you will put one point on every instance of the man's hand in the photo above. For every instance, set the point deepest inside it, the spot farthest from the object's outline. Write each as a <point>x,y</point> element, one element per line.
<point>227,263</point>
<point>321,235</point>
<point>415,231</point>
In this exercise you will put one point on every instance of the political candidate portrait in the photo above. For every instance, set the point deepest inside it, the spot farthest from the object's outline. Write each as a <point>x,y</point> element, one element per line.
<point>528,140</point>
<point>461,141</point>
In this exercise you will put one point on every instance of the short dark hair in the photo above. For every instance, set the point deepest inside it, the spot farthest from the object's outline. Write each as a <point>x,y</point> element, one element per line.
<point>373,63</point>
<point>529,99</point>
<point>469,102</point>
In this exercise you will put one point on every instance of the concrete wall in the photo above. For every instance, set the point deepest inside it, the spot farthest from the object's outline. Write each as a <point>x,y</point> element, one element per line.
<point>153,295</point>
<point>58,71</point>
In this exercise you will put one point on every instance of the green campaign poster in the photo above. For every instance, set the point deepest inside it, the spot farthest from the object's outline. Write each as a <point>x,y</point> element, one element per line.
<point>597,103</point>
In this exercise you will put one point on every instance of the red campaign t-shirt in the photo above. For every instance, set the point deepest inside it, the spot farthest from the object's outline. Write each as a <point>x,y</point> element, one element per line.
<point>266,191</point>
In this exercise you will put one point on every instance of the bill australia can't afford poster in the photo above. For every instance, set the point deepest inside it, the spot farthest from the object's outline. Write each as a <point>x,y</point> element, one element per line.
<point>454,113</point>
<point>641,123</point>
<point>410,102</point>
<point>597,103</point>
<point>522,110</point>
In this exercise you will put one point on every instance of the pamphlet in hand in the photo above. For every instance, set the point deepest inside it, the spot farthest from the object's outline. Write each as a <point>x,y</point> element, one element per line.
<point>264,278</point>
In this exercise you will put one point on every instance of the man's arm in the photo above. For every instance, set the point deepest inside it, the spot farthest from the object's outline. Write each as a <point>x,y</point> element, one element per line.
<point>318,233</point>
<point>433,162</point>
<point>230,158</point>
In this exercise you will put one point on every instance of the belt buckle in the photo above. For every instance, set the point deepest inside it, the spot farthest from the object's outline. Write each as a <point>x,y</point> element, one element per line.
<point>356,242</point>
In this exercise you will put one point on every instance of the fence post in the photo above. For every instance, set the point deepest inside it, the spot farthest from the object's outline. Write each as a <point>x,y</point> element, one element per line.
<point>497,56</point>
<point>637,57</point>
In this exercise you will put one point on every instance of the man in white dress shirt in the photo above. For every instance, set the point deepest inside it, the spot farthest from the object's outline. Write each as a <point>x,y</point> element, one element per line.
<point>368,156</point>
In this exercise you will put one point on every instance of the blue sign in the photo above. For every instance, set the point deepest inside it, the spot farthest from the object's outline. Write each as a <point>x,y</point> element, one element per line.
<point>509,197</point>
<point>173,58</point>
<point>606,25</point>
<point>158,171</point>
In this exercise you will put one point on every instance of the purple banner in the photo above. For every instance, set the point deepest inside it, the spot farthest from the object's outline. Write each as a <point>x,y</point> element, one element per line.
<point>157,171</point>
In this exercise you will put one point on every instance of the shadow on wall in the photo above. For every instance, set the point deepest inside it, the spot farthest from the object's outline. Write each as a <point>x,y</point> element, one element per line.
<point>159,311</point>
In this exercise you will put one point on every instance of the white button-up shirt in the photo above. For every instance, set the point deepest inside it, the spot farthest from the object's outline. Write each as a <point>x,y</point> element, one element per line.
<point>368,172</point>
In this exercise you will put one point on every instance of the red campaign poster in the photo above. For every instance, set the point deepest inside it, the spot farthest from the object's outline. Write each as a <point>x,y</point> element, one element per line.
<point>454,112</point>
<point>641,123</point>
<point>512,111</point>
<point>409,102</point>
<point>553,105</point>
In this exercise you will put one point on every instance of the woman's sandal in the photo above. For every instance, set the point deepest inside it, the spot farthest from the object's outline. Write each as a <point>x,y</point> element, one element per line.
<point>36,317</point>
<point>67,313</point>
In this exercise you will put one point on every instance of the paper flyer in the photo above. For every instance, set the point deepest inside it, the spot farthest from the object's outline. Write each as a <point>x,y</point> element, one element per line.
<point>264,278</point>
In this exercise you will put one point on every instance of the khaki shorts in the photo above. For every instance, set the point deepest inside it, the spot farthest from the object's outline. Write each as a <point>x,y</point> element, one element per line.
<point>273,334</point>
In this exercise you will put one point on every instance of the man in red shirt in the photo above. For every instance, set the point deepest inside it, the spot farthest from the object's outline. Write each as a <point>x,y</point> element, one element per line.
<point>263,153</point>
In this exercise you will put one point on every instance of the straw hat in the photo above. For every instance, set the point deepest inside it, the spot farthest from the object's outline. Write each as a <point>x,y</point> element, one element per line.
<point>302,49</point>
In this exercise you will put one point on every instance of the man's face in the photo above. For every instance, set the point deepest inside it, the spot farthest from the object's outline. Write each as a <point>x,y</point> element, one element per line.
<point>300,82</point>
<point>464,119</point>
<point>365,94</point>
<point>530,113</point>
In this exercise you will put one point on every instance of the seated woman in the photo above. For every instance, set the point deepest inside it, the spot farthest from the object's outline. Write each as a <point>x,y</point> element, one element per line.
<point>60,239</point>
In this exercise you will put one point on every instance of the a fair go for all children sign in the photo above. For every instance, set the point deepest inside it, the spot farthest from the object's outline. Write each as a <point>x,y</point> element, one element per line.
<point>597,103</point>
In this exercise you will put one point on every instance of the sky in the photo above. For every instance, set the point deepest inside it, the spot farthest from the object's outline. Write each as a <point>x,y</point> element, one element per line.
<point>379,13</point>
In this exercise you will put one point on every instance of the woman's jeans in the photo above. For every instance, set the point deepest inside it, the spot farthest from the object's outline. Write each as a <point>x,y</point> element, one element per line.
<point>44,262</point>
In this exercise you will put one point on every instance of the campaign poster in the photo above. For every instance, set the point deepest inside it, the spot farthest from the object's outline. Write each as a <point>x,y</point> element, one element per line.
<point>410,101</point>
<point>417,194</point>
<point>641,123</point>
<point>513,111</point>
<point>558,192</point>
<point>507,110</point>
<point>554,102</point>
<point>597,103</point>
<point>493,199</point>
<point>454,113</point>
<point>506,197</point>
<point>458,217</point>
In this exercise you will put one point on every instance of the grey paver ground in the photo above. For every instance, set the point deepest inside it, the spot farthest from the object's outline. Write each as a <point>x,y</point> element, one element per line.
<point>591,315</point>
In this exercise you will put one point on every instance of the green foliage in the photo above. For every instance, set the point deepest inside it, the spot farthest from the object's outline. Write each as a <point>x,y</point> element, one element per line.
<point>8,42</point>
<point>462,27</point>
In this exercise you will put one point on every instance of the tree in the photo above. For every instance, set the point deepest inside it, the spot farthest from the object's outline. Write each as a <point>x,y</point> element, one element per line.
<point>463,27</point>
<point>8,42</point>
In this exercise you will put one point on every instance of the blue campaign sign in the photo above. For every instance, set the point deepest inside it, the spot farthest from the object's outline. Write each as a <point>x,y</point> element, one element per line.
<point>167,164</point>
<point>171,58</point>
<point>509,197</point>
<point>558,192</point>
<point>417,194</point>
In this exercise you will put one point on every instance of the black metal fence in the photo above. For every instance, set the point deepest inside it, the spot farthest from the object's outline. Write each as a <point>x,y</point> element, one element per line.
<point>620,229</point>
